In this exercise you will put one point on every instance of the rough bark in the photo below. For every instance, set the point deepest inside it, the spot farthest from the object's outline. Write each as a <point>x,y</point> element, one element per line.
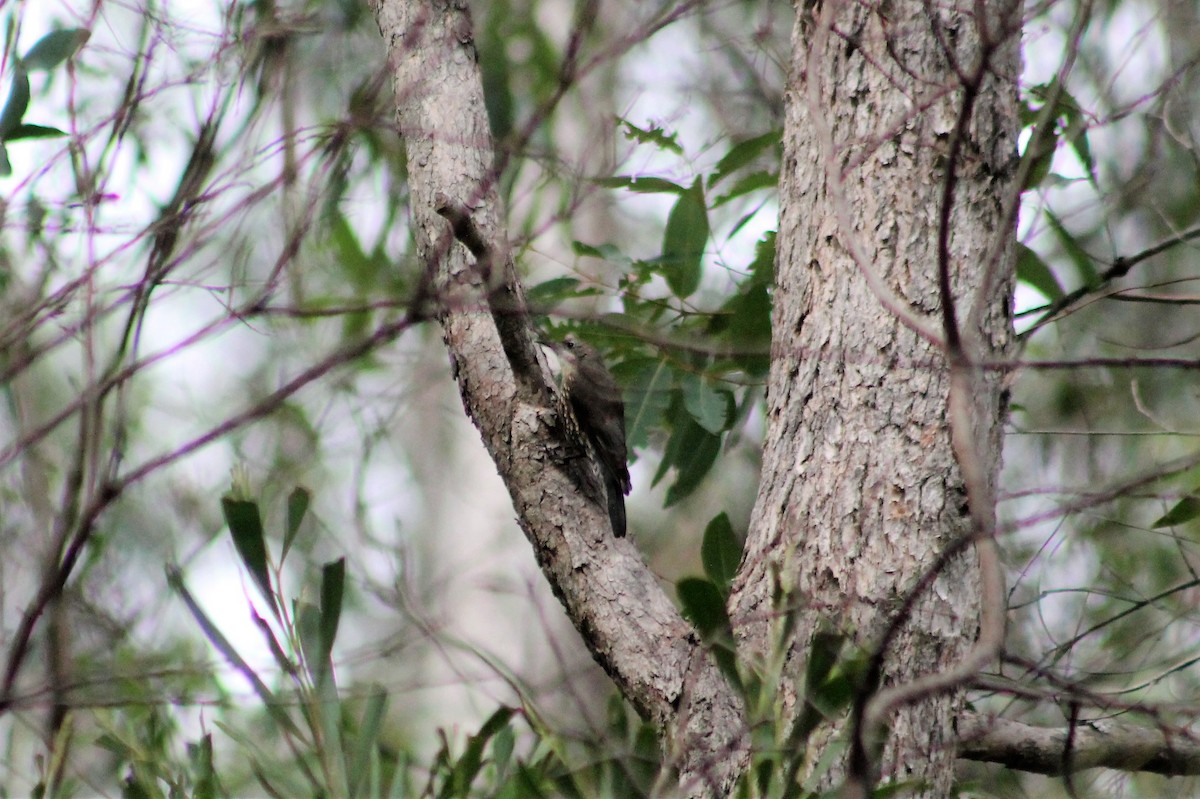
<point>631,627</point>
<point>1061,750</point>
<point>861,492</point>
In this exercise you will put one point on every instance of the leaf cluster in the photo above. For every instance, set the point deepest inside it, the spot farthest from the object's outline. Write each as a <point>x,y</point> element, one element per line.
<point>690,366</point>
<point>47,53</point>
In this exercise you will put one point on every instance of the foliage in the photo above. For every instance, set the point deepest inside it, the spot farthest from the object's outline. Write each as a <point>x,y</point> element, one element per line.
<point>695,395</point>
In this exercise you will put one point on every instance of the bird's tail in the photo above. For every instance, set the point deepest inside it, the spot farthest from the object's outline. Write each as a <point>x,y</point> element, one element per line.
<point>616,503</point>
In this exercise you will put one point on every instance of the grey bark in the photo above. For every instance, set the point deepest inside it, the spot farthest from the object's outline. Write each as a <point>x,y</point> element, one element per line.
<point>861,491</point>
<point>1059,750</point>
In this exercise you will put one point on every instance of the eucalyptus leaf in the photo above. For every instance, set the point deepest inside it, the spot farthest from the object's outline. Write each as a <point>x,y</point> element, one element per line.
<point>1182,511</point>
<point>684,240</point>
<point>709,406</point>
<point>703,605</point>
<point>1032,270</point>
<point>297,507</point>
<point>743,153</point>
<point>54,48</point>
<point>333,588</point>
<point>24,131</point>
<point>17,103</point>
<point>641,185</point>
<point>720,552</point>
<point>245,525</point>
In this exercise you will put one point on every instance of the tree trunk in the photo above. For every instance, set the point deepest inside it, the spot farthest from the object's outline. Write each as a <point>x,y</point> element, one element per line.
<point>861,489</point>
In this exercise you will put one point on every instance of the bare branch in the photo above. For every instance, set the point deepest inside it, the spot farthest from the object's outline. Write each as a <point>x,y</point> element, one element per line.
<point>1092,744</point>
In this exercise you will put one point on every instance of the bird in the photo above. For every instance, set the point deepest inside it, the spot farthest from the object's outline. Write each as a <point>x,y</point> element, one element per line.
<point>595,401</point>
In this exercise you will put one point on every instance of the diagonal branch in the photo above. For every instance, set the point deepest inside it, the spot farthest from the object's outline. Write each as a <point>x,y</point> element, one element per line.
<point>626,620</point>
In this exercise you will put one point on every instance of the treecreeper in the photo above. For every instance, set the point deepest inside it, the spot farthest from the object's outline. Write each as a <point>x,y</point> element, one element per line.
<point>595,401</point>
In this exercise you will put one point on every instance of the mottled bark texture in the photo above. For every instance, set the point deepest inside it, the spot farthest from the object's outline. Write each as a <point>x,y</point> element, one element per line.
<point>860,488</point>
<point>627,621</point>
<point>1061,750</point>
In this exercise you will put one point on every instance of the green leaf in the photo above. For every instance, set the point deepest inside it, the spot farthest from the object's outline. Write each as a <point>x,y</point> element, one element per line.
<point>1040,154</point>
<point>368,737</point>
<point>743,153</point>
<point>532,783</point>
<point>605,252</point>
<point>1076,128</point>
<point>492,47</point>
<point>704,605</point>
<point>1039,170</point>
<point>54,48</point>
<point>551,292</point>
<point>317,628</point>
<point>1184,510</point>
<point>645,185</point>
<point>467,767</point>
<point>24,131</point>
<point>204,777</point>
<point>503,746</point>
<point>245,524</point>
<point>745,318</point>
<point>655,136</point>
<point>361,269</point>
<point>1032,270</point>
<point>18,102</point>
<point>762,268</point>
<point>749,328</point>
<point>745,220</point>
<point>1083,262</point>
<point>822,657</point>
<point>747,184</point>
<point>333,587</point>
<point>5,164</point>
<point>132,788</point>
<point>648,384</point>
<point>297,507</point>
<point>1048,127</point>
<point>684,241</point>
<point>1077,136</point>
<point>707,405</point>
<point>720,552</point>
<point>692,450</point>
<point>308,626</point>
<point>820,702</point>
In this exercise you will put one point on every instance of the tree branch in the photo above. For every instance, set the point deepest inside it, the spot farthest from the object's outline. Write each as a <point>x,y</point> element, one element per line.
<point>629,624</point>
<point>1098,744</point>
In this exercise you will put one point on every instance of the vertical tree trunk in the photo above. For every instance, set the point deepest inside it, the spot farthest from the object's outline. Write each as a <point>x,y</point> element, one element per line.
<point>861,490</point>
